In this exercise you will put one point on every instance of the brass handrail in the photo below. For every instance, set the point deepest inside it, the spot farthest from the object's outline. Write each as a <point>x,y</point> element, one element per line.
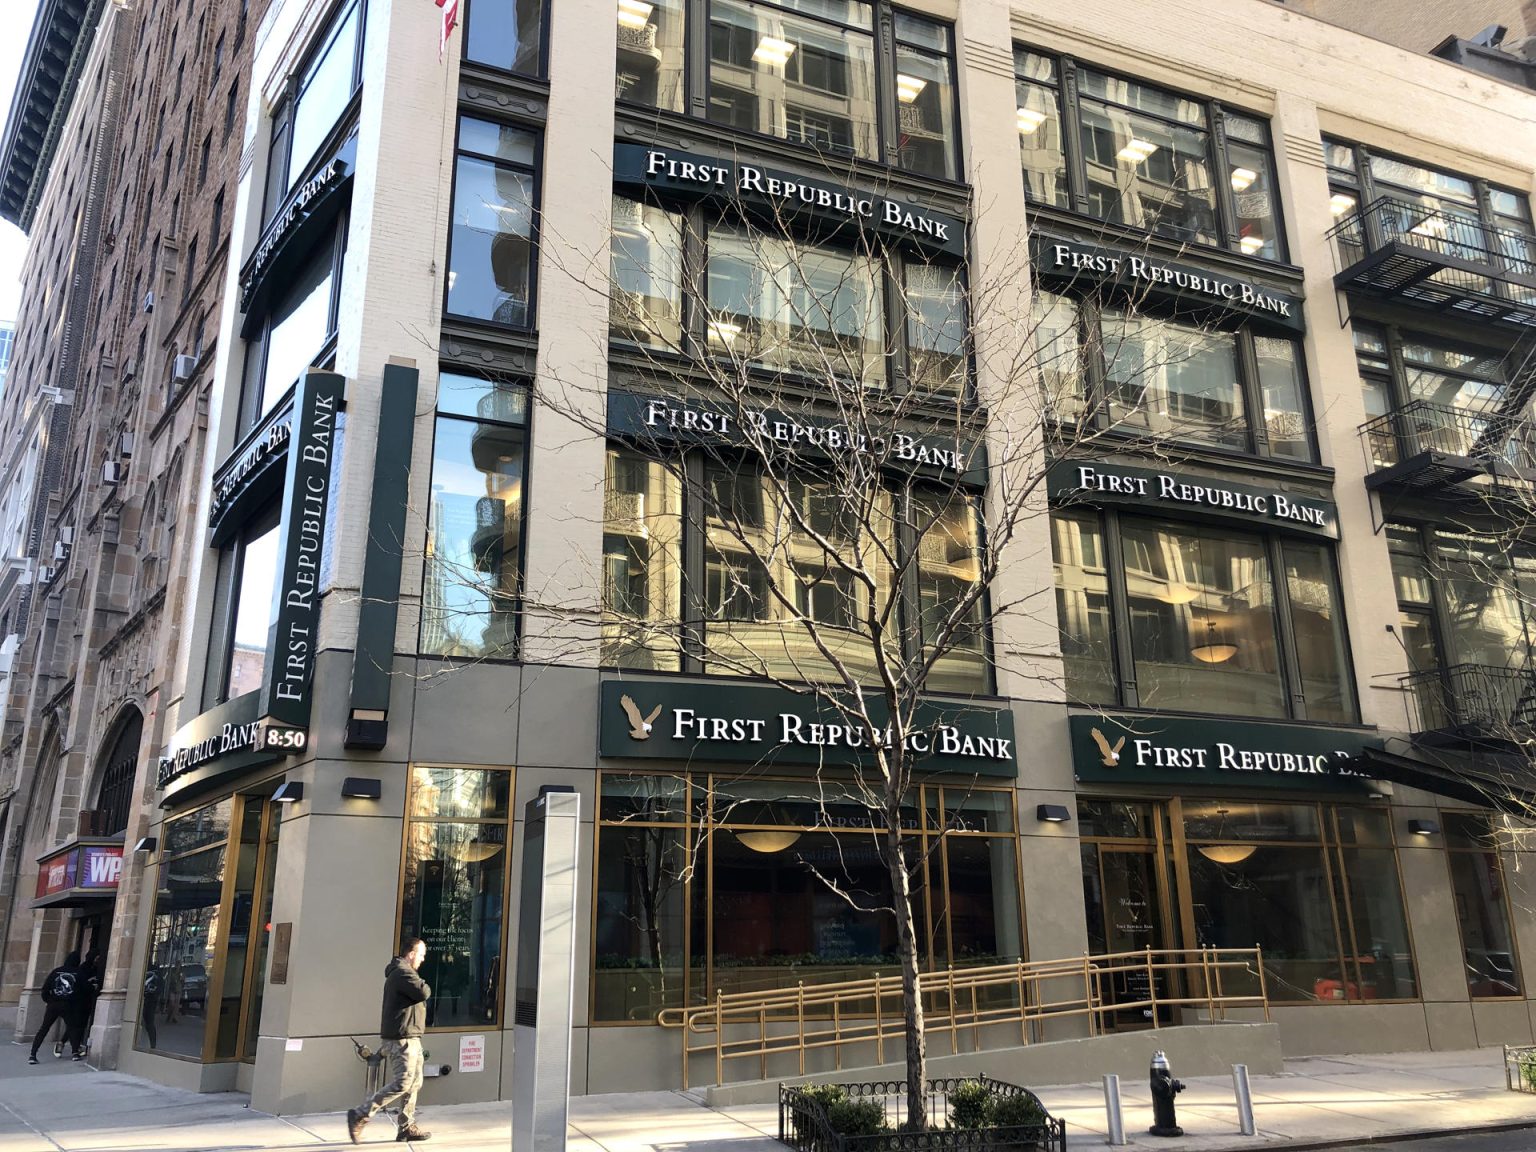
<point>809,1017</point>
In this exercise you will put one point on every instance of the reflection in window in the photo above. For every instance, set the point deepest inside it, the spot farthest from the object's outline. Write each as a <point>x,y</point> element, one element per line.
<point>1321,653</point>
<point>1280,383</point>
<point>650,53</point>
<point>302,321</point>
<point>936,328</point>
<point>788,75</point>
<point>925,97</point>
<point>949,572</point>
<point>1173,379</point>
<point>1082,607</point>
<point>491,245</point>
<point>795,308</point>
<point>1250,171</point>
<point>324,90</point>
<point>1203,630</point>
<point>505,34</point>
<point>642,563</point>
<point>1482,905</point>
<point>646,254</point>
<point>746,910</point>
<point>255,612</point>
<point>474,540</point>
<point>453,895</point>
<point>1039,122</point>
<point>1059,353</point>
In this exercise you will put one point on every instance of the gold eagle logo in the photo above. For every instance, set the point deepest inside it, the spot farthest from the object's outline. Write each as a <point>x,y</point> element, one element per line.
<point>640,726</point>
<point>1110,756</point>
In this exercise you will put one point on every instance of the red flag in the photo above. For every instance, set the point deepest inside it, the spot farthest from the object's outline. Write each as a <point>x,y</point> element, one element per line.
<point>450,21</point>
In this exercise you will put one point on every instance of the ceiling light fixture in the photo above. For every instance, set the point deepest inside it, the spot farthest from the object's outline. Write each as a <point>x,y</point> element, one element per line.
<point>1136,152</point>
<point>1228,853</point>
<point>1029,120</point>
<point>908,87</point>
<point>773,51</point>
<point>1217,648</point>
<point>1242,177</point>
<point>634,13</point>
<point>1251,245</point>
<point>1339,203</point>
<point>768,841</point>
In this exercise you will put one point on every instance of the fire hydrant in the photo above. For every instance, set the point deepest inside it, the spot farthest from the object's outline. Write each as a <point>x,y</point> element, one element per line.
<point>1164,1089</point>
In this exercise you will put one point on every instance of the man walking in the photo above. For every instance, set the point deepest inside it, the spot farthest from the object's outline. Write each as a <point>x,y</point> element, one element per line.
<point>64,998</point>
<point>403,1021</point>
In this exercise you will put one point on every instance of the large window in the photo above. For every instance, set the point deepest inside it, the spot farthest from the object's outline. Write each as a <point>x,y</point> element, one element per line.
<point>244,611</point>
<point>297,332</point>
<point>321,91</point>
<point>1482,904</point>
<point>490,253</point>
<point>1144,157</point>
<point>785,570</point>
<point>1146,376</point>
<point>506,34</point>
<point>809,71</point>
<point>1316,886</point>
<point>1204,611</point>
<point>205,975</point>
<point>776,304</point>
<point>454,891</point>
<point>470,596</point>
<point>712,883</point>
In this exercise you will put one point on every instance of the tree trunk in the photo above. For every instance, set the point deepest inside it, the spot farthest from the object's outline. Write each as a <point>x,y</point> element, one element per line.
<point>911,1002</point>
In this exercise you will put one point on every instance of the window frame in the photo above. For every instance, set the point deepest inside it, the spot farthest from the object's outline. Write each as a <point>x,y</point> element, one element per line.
<point>515,653</point>
<point>1454,849</point>
<point>541,68</point>
<point>507,934</point>
<point>1094,367</point>
<point>1069,109</point>
<point>1125,689</point>
<point>696,83</point>
<point>226,603</point>
<point>534,172</point>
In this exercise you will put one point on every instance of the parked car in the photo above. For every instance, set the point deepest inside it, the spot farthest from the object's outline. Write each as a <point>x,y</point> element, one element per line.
<point>194,986</point>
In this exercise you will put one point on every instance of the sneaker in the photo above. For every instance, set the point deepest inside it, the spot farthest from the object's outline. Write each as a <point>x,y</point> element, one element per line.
<point>58,1049</point>
<point>32,1059</point>
<point>355,1122</point>
<point>78,1056</point>
<point>411,1132</point>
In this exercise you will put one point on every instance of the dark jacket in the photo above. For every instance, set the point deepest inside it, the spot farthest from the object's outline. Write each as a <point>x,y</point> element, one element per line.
<point>405,1002</point>
<point>79,997</point>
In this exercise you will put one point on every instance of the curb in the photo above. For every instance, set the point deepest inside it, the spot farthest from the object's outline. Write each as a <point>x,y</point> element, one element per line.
<point>1388,1138</point>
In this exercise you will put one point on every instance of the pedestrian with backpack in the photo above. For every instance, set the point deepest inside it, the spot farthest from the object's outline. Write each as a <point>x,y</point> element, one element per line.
<point>64,995</point>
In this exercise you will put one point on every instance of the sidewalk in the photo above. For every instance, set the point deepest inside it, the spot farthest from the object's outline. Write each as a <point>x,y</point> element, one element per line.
<point>1338,1100</point>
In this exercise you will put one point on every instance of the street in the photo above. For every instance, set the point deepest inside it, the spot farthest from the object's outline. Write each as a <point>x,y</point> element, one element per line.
<point>1516,1140</point>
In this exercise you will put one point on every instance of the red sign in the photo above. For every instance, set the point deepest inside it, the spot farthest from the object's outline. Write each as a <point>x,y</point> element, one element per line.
<point>97,867</point>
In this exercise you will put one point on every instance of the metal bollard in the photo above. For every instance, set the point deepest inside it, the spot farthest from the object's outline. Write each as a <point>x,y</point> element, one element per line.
<point>1112,1110</point>
<point>1244,1094</point>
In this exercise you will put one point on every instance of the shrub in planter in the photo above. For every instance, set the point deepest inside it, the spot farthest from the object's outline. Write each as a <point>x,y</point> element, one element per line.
<point>857,1117</point>
<point>1015,1112</point>
<point>968,1104</point>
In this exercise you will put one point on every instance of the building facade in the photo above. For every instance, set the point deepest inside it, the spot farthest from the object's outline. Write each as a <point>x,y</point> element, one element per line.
<point>467,525</point>
<point>114,341</point>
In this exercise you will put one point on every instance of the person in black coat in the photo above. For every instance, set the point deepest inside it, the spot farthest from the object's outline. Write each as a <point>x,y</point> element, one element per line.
<point>402,1022</point>
<point>66,996</point>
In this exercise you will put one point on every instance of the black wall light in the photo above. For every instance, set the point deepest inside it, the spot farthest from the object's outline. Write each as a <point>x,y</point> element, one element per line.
<point>361,788</point>
<point>1423,827</point>
<point>288,792</point>
<point>1052,814</point>
<point>147,844</point>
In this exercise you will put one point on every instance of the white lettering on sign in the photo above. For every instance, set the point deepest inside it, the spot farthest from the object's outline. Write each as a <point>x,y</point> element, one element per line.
<point>1163,487</point>
<point>1065,256</point>
<point>792,728</point>
<point>1230,758</point>
<point>56,874</point>
<point>778,189</point>
<point>295,647</point>
<point>105,869</point>
<point>777,430</point>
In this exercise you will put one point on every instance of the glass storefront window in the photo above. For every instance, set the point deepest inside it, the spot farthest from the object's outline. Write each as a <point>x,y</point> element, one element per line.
<point>1482,905</point>
<point>738,899</point>
<point>325,88</point>
<point>475,522</point>
<point>790,307</point>
<point>1250,171</point>
<point>1083,608</point>
<point>642,563</point>
<point>802,79</point>
<point>454,890</point>
<point>184,941</point>
<point>650,53</point>
<point>1203,628</point>
<point>490,255</point>
<point>646,301</point>
<point>506,34</point>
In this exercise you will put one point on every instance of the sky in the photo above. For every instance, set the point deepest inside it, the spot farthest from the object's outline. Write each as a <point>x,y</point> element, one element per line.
<point>15,27</point>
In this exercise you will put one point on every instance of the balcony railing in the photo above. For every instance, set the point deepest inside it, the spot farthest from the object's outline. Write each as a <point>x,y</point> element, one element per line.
<point>1472,701</point>
<point>1436,259</point>
<point>1427,445</point>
